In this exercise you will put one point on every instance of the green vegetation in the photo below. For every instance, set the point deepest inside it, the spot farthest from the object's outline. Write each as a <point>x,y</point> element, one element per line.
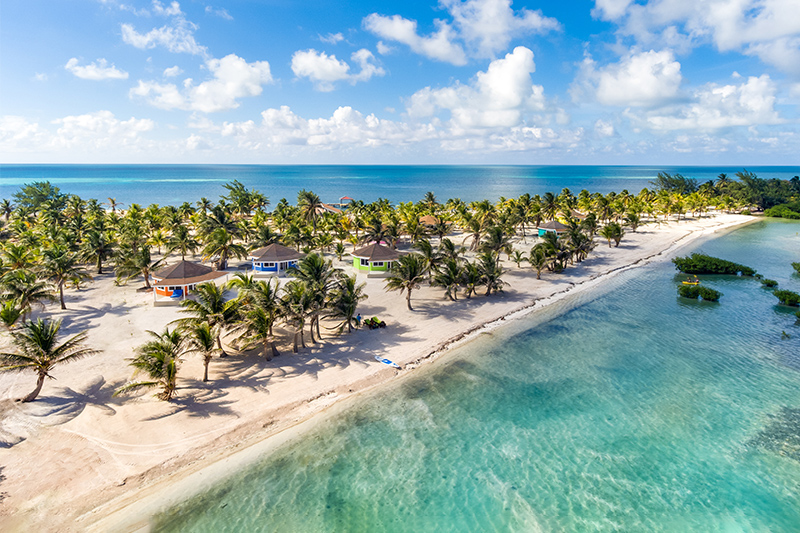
<point>789,298</point>
<point>796,267</point>
<point>697,291</point>
<point>769,283</point>
<point>790,210</point>
<point>705,264</point>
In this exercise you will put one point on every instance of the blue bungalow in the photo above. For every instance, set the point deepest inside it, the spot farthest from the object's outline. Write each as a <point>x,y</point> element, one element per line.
<point>274,259</point>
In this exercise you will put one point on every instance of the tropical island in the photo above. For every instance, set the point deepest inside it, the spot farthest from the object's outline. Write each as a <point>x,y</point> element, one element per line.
<point>243,317</point>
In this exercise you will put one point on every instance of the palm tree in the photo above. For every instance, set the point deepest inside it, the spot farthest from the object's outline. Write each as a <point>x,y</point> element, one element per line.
<point>26,289</point>
<point>60,266</point>
<point>470,279</point>
<point>296,305</point>
<point>490,272</point>
<point>97,247</point>
<point>319,275</point>
<point>159,359</point>
<point>612,231</point>
<point>344,300</point>
<point>201,340</point>
<point>183,241</point>
<point>255,326</point>
<point>210,307</point>
<point>310,205</point>
<point>131,263</point>
<point>221,243</point>
<point>38,350</point>
<point>406,274</point>
<point>449,277</point>
<point>496,240</point>
<point>6,208</point>
<point>9,313</point>
<point>429,254</point>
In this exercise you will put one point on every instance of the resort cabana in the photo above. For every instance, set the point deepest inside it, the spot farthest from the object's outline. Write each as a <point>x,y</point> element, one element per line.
<point>171,284</point>
<point>274,259</point>
<point>428,221</point>
<point>552,226</point>
<point>375,259</point>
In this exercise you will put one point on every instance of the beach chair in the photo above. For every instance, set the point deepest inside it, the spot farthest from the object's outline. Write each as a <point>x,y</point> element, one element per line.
<point>176,294</point>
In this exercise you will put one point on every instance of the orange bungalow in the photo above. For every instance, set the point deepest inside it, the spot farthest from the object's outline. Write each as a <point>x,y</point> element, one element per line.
<point>172,283</point>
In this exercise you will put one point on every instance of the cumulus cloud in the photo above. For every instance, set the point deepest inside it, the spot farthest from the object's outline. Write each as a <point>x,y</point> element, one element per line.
<point>171,72</point>
<point>716,106</point>
<point>18,135</point>
<point>325,70</point>
<point>642,79</point>
<point>96,70</point>
<point>438,45</point>
<point>768,29</point>
<point>233,78</point>
<point>100,129</point>
<point>499,97</point>
<point>603,128</point>
<point>172,10</point>
<point>486,27</point>
<point>489,25</point>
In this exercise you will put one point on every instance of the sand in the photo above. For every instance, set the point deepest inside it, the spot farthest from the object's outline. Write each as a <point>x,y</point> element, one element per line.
<point>77,459</point>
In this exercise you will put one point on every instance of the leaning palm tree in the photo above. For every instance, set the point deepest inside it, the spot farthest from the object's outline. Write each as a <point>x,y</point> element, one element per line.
<point>490,272</point>
<point>210,307</point>
<point>255,327</point>
<point>538,259</point>
<point>202,340</point>
<point>612,231</point>
<point>159,359</point>
<point>133,262</point>
<point>61,266</point>
<point>449,277</point>
<point>344,300</point>
<point>406,274</point>
<point>296,305</point>
<point>38,350</point>
<point>319,276</point>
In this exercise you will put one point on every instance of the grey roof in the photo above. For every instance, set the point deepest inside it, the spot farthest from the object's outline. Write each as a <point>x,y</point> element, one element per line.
<point>553,225</point>
<point>185,273</point>
<point>376,252</point>
<point>275,253</point>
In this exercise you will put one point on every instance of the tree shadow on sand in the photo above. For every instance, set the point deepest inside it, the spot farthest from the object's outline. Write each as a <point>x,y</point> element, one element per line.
<point>66,404</point>
<point>199,403</point>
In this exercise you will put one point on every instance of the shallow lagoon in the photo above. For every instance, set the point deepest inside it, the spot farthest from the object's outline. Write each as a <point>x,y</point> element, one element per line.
<point>625,408</point>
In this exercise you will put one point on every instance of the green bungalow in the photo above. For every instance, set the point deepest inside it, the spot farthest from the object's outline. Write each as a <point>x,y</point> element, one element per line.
<point>552,226</point>
<point>374,260</point>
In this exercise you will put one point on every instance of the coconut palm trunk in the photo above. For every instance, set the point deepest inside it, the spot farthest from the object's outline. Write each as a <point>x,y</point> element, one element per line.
<point>39,383</point>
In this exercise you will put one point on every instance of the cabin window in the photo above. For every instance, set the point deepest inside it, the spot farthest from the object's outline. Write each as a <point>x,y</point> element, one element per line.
<point>364,262</point>
<point>269,265</point>
<point>377,264</point>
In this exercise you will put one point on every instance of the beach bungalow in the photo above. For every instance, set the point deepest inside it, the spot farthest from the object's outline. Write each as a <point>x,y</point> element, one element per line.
<point>374,260</point>
<point>552,226</point>
<point>429,221</point>
<point>273,260</point>
<point>172,284</point>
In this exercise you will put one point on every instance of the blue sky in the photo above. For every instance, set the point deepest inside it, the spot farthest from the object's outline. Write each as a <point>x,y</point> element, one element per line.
<point>413,82</point>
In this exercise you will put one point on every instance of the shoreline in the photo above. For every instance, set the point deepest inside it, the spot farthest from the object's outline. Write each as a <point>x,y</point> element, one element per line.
<point>158,484</point>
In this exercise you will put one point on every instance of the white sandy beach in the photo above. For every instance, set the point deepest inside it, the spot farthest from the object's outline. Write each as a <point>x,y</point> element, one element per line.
<point>77,459</point>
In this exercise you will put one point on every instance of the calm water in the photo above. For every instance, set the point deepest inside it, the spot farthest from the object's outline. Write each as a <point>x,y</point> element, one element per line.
<point>626,410</point>
<point>174,184</point>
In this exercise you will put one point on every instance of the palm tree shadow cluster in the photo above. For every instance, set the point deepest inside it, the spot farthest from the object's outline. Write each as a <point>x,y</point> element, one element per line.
<point>67,404</point>
<point>200,403</point>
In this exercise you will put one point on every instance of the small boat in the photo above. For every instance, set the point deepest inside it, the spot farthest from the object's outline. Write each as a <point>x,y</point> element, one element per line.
<point>691,281</point>
<point>386,362</point>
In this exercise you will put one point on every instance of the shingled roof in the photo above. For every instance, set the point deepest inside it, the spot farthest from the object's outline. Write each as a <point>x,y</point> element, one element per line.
<point>275,253</point>
<point>553,225</point>
<point>185,273</point>
<point>377,252</point>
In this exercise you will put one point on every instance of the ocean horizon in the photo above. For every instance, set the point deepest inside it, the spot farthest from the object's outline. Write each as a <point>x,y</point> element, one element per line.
<point>175,184</point>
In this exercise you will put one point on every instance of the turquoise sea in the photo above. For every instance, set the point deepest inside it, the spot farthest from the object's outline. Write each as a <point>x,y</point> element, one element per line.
<point>620,409</point>
<point>175,184</point>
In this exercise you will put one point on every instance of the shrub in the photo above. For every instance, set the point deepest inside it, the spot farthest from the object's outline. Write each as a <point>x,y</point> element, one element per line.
<point>769,283</point>
<point>796,267</point>
<point>790,211</point>
<point>705,264</point>
<point>696,291</point>
<point>709,295</point>
<point>788,298</point>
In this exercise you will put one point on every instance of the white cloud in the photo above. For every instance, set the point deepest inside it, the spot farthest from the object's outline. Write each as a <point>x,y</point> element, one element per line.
<point>383,48</point>
<point>100,129</point>
<point>438,45</point>
<point>171,72</point>
<point>489,25</point>
<point>603,128</point>
<point>332,38</point>
<point>219,12</point>
<point>40,76</point>
<point>177,36</point>
<point>325,70</point>
<point>18,135</point>
<point>486,26</point>
<point>96,70</point>
<point>172,10</point>
<point>233,78</point>
<point>719,106</point>
<point>195,143</point>
<point>499,97</point>
<point>643,79</point>
<point>769,29</point>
